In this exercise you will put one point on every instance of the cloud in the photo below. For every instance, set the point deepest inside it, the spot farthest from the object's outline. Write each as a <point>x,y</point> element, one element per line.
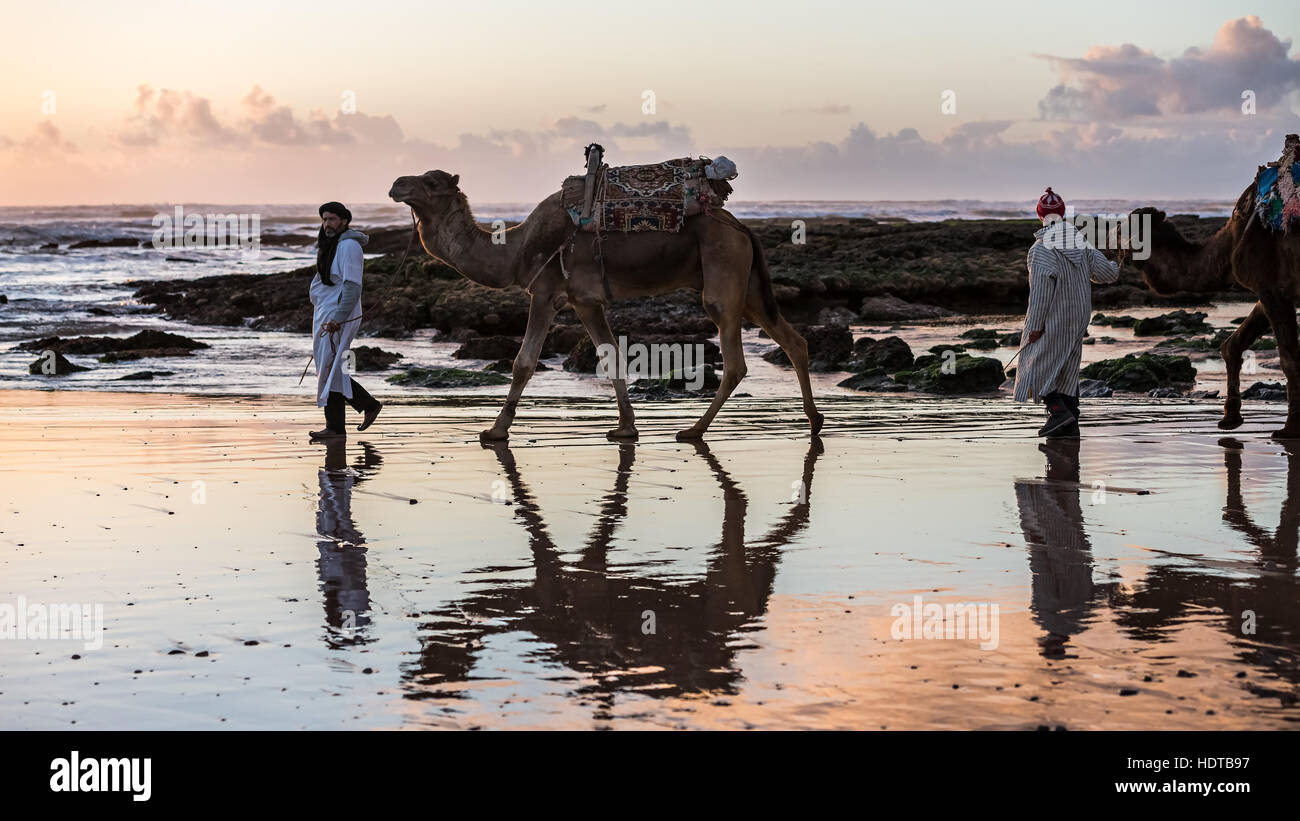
<point>1129,83</point>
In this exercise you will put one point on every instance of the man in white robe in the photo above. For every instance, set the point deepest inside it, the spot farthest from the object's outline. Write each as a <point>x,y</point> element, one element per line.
<point>336,301</point>
<point>1062,267</point>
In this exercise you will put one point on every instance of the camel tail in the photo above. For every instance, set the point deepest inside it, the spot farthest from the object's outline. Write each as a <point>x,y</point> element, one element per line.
<point>759,269</point>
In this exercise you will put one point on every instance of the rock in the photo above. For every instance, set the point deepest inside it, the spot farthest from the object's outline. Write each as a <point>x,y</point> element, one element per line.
<point>941,349</point>
<point>874,379</point>
<point>4,300</point>
<point>971,374</point>
<point>678,383</point>
<point>1164,393</point>
<point>1142,373</point>
<point>95,310</point>
<point>563,339</point>
<point>1125,321</point>
<point>890,354</point>
<point>50,246</point>
<point>117,242</point>
<point>1094,389</point>
<point>836,316</point>
<point>656,353</point>
<point>1202,394</point>
<point>145,353</point>
<point>979,333</point>
<point>143,341</point>
<point>982,344</point>
<point>369,358</point>
<point>61,366</point>
<point>446,378</point>
<point>508,366</point>
<point>1266,391</point>
<point>890,307</point>
<point>1175,322</point>
<point>582,359</point>
<point>785,293</point>
<point>488,347</point>
<point>829,347</point>
<point>1011,340</point>
<point>144,375</point>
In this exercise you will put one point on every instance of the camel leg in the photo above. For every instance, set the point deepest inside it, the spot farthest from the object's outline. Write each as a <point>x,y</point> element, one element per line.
<point>795,347</point>
<point>541,311</point>
<point>733,365</point>
<point>594,320</point>
<point>1281,315</point>
<point>1251,327</point>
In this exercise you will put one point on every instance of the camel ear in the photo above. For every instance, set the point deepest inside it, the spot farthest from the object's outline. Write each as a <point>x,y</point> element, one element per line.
<point>455,179</point>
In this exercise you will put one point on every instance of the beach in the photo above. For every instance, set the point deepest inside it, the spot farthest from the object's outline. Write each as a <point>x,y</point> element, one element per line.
<point>1142,578</point>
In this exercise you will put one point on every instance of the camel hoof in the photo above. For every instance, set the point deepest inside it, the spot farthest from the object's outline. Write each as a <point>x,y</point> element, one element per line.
<point>1230,422</point>
<point>689,434</point>
<point>815,423</point>
<point>491,435</point>
<point>622,434</point>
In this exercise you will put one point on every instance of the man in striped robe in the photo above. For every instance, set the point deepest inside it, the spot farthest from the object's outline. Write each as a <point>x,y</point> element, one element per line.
<point>1062,267</point>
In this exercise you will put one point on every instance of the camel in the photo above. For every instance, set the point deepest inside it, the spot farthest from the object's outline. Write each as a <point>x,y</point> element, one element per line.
<point>1262,261</point>
<point>713,253</point>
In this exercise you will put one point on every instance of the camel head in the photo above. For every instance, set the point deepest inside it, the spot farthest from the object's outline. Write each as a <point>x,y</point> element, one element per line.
<point>1166,269</point>
<point>431,194</point>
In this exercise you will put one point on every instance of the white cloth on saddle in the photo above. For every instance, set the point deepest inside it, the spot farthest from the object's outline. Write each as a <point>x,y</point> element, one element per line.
<point>330,350</point>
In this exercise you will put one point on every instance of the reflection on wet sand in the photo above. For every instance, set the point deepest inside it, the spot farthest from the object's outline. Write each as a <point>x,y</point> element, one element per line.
<point>1060,557</point>
<point>342,562</point>
<point>622,631</point>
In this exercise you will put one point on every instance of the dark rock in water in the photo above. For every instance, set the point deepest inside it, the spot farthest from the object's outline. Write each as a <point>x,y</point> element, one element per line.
<point>369,358</point>
<point>446,378</point>
<point>58,366</point>
<point>4,300</point>
<point>1142,373</point>
<point>829,348</point>
<point>979,333</point>
<point>582,359</point>
<point>874,379</point>
<point>1267,391</point>
<point>1264,343</point>
<point>982,344</point>
<point>142,341</point>
<point>1124,321</point>
<point>678,383</point>
<point>1165,393</point>
<point>648,354</point>
<point>890,354</point>
<point>488,347</point>
<point>95,310</point>
<point>836,316</point>
<point>508,366</point>
<point>1202,394</point>
<point>116,242</point>
<point>144,353</point>
<point>563,339</point>
<point>50,246</point>
<point>941,349</point>
<point>970,374</point>
<point>890,307</point>
<point>1011,340</point>
<point>1094,389</point>
<point>1174,323</point>
<point>144,375</point>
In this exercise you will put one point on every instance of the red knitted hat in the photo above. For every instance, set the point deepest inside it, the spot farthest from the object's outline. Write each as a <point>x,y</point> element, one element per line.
<point>1051,203</point>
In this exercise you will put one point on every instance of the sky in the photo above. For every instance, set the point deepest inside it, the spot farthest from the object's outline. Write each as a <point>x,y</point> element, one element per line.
<point>244,102</point>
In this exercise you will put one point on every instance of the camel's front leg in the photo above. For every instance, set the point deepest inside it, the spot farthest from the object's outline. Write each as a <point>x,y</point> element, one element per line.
<point>540,313</point>
<point>593,319</point>
<point>733,368</point>
<point>1255,323</point>
<point>1281,315</point>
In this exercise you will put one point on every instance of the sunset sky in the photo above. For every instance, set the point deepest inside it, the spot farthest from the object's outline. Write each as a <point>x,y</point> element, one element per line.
<point>240,102</point>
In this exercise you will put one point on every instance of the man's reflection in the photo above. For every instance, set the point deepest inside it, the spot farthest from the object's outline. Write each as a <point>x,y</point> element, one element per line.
<point>342,562</point>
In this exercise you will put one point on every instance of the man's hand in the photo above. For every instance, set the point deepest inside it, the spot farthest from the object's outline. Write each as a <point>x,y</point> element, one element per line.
<point>1034,335</point>
<point>330,327</point>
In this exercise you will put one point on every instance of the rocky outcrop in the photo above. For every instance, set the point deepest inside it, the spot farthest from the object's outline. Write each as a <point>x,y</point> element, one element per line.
<point>446,378</point>
<point>965,375</point>
<point>1141,373</point>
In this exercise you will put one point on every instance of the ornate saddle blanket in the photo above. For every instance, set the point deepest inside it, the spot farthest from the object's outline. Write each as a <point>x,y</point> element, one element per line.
<point>657,197</point>
<point>1277,188</point>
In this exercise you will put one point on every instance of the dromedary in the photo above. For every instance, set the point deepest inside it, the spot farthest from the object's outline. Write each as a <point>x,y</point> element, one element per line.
<point>718,256</point>
<point>1259,259</point>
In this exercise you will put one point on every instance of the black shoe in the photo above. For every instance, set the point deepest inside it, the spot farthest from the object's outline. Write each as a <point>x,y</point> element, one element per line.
<point>1058,417</point>
<point>1070,431</point>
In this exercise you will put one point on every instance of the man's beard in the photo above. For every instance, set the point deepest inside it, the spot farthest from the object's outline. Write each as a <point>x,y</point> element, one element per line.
<point>327,243</point>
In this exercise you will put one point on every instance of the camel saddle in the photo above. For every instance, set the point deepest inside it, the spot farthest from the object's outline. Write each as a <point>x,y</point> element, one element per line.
<point>655,197</point>
<point>1277,188</point>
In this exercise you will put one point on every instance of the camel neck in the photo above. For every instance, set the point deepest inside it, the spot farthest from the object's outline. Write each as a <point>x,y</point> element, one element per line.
<point>457,240</point>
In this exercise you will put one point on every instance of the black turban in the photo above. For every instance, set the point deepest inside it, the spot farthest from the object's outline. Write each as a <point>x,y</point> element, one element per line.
<point>336,208</point>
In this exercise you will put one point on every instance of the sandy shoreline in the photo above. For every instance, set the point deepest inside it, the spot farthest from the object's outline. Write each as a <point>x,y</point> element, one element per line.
<point>514,591</point>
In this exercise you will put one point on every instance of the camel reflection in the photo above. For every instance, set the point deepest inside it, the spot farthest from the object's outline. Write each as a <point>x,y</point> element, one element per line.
<point>1259,605</point>
<point>1063,594</point>
<point>594,620</point>
<point>342,562</point>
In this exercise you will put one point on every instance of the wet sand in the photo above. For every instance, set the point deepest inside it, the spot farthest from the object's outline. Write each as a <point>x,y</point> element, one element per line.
<point>413,578</point>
